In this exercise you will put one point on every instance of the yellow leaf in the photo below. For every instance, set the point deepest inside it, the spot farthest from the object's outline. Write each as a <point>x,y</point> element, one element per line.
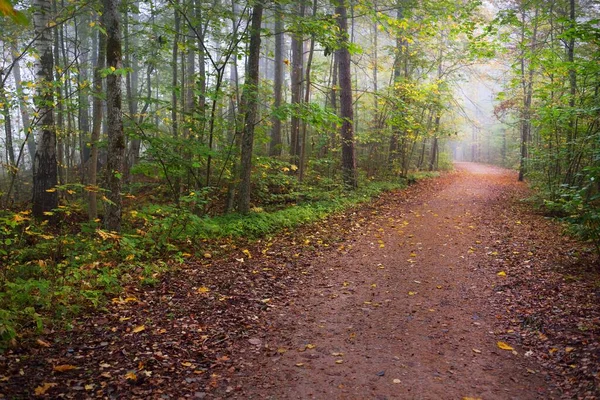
<point>504,346</point>
<point>203,290</point>
<point>113,69</point>
<point>553,350</point>
<point>247,253</point>
<point>339,361</point>
<point>471,398</point>
<point>569,349</point>
<point>131,376</point>
<point>300,365</point>
<point>476,351</point>
<point>281,350</point>
<point>51,190</point>
<point>89,386</point>
<point>412,293</point>
<point>41,390</point>
<point>64,368</point>
<point>129,257</point>
<point>310,346</point>
<point>207,255</point>
<point>501,273</point>
<point>139,328</point>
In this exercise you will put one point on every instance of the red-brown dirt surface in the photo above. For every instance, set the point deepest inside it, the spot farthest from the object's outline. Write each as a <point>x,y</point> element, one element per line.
<point>404,298</point>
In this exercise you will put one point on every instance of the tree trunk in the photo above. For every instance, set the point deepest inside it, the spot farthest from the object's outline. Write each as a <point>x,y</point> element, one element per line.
<point>96,126</point>
<point>346,110</point>
<point>23,106</point>
<point>45,173</point>
<point>116,138</point>
<point>275,144</point>
<point>250,102</point>
<point>296,91</point>
<point>527,85</point>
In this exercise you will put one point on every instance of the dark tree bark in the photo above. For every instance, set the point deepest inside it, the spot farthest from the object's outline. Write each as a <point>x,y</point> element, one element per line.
<point>250,104</point>
<point>116,138</point>
<point>45,167</point>
<point>275,144</point>
<point>296,90</point>
<point>346,111</point>
<point>527,71</point>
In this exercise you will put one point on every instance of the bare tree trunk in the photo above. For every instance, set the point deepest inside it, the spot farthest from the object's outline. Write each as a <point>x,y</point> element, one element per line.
<point>83,94</point>
<point>527,85</point>
<point>116,138</point>
<point>96,126</point>
<point>250,102</point>
<point>11,165</point>
<point>45,174</point>
<point>296,90</point>
<point>275,144</point>
<point>303,139</point>
<point>346,111</point>
<point>23,106</point>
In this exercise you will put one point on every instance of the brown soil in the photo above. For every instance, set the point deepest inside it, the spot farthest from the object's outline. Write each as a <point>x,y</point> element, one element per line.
<point>398,299</point>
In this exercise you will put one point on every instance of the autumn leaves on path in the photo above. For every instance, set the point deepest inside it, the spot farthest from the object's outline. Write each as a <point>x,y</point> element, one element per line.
<point>402,312</point>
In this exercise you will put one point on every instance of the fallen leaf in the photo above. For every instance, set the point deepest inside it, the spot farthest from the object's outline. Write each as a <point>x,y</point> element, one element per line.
<point>131,376</point>
<point>41,390</point>
<point>43,343</point>
<point>89,386</point>
<point>247,253</point>
<point>207,255</point>
<point>310,346</point>
<point>339,361</point>
<point>412,293</point>
<point>569,349</point>
<point>139,328</point>
<point>504,346</point>
<point>476,351</point>
<point>63,368</point>
<point>337,354</point>
<point>203,290</point>
<point>501,273</point>
<point>396,381</point>
<point>300,365</point>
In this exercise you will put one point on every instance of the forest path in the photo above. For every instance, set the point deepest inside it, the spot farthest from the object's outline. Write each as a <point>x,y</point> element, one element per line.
<point>404,311</point>
<point>399,298</point>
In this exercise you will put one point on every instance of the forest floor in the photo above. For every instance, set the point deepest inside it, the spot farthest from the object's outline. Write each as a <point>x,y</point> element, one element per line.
<point>451,289</point>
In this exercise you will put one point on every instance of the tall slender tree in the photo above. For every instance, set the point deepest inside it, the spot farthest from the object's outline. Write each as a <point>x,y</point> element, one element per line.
<point>45,167</point>
<point>342,53</point>
<point>250,103</point>
<point>116,138</point>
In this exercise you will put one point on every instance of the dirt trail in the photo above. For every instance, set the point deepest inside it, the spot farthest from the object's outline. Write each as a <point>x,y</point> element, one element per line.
<point>403,312</point>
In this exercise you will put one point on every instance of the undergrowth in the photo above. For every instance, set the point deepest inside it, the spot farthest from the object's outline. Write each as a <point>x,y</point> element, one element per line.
<point>49,274</point>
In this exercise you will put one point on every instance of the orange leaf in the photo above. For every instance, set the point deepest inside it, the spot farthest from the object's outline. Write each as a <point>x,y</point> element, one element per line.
<point>504,346</point>
<point>41,390</point>
<point>64,368</point>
